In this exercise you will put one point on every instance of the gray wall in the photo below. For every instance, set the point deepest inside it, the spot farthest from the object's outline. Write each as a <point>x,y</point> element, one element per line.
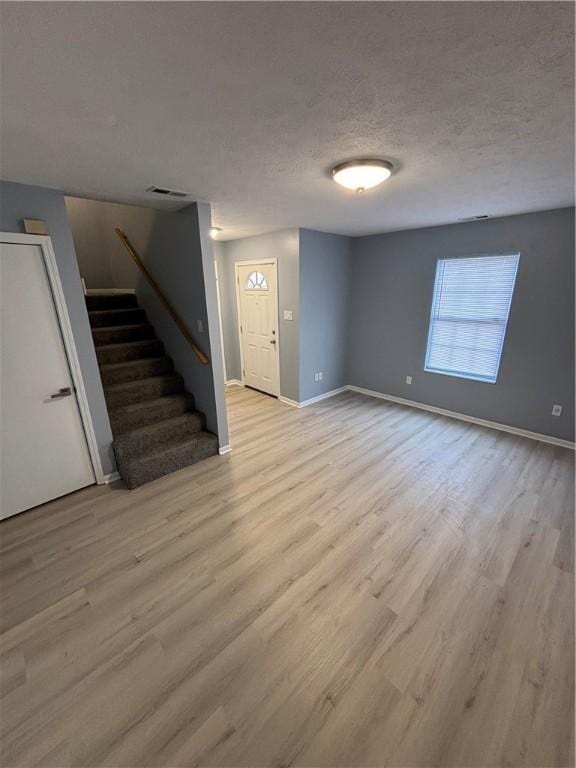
<point>176,248</point>
<point>324,302</point>
<point>204,216</point>
<point>392,279</point>
<point>102,259</point>
<point>172,253</point>
<point>227,312</point>
<point>19,201</point>
<point>88,225</point>
<point>284,246</point>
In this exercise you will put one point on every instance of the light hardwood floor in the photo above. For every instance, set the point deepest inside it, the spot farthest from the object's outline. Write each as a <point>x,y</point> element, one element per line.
<point>356,584</point>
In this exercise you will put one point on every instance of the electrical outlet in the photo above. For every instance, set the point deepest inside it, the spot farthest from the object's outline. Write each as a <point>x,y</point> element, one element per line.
<point>320,376</point>
<point>287,314</point>
<point>408,379</point>
<point>315,377</point>
<point>556,410</point>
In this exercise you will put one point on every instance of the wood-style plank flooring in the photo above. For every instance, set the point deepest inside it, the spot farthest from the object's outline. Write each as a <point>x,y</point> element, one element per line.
<point>356,584</point>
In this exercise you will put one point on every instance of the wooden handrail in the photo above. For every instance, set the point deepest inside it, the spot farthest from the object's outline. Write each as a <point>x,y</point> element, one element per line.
<point>158,291</point>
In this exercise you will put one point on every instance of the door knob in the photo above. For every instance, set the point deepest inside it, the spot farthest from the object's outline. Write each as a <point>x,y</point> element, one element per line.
<point>62,392</point>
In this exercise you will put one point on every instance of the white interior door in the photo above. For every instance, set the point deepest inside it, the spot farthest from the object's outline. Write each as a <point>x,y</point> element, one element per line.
<point>43,448</point>
<point>258,303</point>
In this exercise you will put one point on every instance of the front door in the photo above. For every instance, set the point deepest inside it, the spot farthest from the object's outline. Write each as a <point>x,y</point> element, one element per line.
<point>258,304</point>
<point>43,447</point>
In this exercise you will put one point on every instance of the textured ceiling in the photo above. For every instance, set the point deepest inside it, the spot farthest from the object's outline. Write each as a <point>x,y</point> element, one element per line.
<point>248,105</point>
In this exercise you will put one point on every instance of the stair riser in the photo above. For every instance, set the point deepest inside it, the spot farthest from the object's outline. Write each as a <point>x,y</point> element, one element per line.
<point>111,301</point>
<point>137,472</point>
<point>120,335</point>
<point>140,369</point>
<point>145,390</point>
<point>121,422</point>
<point>132,445</point>
<point>121,317</point>
<point>126,353</point>
<point>169,435</point>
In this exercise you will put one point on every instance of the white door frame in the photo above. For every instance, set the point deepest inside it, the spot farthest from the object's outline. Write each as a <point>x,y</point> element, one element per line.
<point>55,284</point>
<point>248,263</point>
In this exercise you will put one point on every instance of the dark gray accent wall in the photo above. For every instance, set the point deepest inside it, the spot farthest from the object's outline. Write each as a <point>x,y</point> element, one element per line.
<point>283,246</point>
<point>171,249</point>
<point>324,302</point>
<point>20,201</point>
<point>392,279</point>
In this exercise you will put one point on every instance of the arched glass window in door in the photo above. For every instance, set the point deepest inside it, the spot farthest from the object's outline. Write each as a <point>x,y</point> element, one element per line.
<point>257,281</point>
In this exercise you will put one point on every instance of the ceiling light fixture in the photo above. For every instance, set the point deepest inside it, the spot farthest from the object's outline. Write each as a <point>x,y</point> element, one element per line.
<point>214,232</point>
<point>360,175</point>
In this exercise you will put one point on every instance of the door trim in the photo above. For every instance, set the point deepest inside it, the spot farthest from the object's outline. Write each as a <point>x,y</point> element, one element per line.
<point>55,284</point>
<point>248,263</point>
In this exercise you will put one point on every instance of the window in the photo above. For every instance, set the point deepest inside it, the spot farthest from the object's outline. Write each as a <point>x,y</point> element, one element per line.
<point>469,314</point>
<point>257,281</point>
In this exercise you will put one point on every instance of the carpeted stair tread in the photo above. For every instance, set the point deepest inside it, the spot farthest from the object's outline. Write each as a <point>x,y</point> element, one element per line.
<point>102,318</point>
<point>132,370</point>
<point>95,301</point>
<point>167,458</point>
<point>138,441</point>
<point>156,429</point>
<point>143,389</point>
<point>117,334</point>
<point>127,417</point>
<point>129,351</point>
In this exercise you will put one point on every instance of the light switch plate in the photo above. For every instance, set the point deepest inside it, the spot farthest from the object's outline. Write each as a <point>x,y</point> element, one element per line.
<point>287,315</point>
<point>408,379</point>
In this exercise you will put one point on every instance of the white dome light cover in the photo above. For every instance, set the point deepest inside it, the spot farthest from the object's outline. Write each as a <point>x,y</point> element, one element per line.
<point>360,175</point>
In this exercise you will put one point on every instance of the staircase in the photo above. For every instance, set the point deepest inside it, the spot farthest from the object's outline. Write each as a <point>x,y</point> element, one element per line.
<point>156,429</point>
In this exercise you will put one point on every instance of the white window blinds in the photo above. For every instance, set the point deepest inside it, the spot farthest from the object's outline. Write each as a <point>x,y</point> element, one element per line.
<point>470,308</point>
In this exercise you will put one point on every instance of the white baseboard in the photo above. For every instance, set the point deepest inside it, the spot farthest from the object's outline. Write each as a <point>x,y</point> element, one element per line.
<point>234,383</point>
<point>224,449</point>
<point>423,407</point>
<point>312,400</point>
<point>287,400</point>
<point>465,417</point>
<point>325,396</point>
<point>112,477</point>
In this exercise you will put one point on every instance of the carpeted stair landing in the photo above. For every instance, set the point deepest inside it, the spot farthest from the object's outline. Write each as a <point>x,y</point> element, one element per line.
<point>155,426</point>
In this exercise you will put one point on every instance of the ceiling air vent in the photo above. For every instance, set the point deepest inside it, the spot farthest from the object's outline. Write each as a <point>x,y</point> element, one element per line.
<point>167,192</point>
<point>475,218</point>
